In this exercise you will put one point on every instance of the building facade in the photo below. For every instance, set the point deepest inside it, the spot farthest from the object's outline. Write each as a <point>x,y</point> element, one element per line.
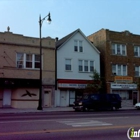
<point>120,62</point>
<point>76,57</point>
<point>19,71</point>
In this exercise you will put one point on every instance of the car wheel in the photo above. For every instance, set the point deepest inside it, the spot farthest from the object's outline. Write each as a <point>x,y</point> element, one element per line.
<point>116,108</point>
<point>86,109</point>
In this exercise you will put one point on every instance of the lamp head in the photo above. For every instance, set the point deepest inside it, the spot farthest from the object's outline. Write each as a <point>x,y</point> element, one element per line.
<point>49,18</point>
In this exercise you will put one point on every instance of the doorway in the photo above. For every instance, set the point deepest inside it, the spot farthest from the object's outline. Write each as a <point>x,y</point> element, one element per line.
<point>63,97</point>
<point>7,98</point>
<point>47,98</point>
<point>135,93</point>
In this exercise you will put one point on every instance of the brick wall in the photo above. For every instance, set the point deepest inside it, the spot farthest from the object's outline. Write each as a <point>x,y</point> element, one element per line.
<point>103,40</point>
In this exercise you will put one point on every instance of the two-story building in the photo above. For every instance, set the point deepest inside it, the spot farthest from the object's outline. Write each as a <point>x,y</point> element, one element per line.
<point>120,62</point>
<point>19,70</point>
<point>76,59</point>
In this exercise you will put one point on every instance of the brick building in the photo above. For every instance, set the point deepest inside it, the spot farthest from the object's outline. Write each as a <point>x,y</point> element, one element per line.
<point>19,70</point>
<point>120,62</point>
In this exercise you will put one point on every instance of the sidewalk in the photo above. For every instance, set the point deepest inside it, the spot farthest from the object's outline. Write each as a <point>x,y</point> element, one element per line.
<point>34,110</point>
<point>51,109</point>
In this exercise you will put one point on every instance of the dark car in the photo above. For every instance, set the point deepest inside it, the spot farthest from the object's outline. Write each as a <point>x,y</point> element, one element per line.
<point>98,102</point>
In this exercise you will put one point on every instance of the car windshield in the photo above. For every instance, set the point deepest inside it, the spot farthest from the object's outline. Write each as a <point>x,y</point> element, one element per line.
<point>94,97</point>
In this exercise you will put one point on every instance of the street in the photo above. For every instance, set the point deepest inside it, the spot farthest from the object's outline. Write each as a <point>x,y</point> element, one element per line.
<point>101,125</point>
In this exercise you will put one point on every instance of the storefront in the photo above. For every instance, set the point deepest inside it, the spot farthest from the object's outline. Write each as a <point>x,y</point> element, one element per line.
<point>19,93</point>
<point>69,91</point>
<point>24,93</point>
<point>126,89</point>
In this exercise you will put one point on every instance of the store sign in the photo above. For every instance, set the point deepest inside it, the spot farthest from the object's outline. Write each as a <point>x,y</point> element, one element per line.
<point>123,86</point>
<point>123,79</point>
<point>64,85</point>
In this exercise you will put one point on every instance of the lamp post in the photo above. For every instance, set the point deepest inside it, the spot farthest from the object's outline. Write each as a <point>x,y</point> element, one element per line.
<point>40,78</point>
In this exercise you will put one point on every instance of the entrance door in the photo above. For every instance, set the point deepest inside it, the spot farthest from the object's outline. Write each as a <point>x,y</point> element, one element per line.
<point>7,98</point>
<point>47,98</point>
<point>134,97</point>
<point>63,98</point>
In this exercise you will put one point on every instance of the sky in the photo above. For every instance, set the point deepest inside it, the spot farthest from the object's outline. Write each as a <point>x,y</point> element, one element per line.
<point>22,16</point>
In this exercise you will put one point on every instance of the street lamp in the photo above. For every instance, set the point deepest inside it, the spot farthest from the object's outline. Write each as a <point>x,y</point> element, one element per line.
<point>40,79</point>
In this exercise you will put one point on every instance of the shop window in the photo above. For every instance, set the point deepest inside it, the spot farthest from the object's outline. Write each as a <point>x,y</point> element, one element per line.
<point>72,97</point>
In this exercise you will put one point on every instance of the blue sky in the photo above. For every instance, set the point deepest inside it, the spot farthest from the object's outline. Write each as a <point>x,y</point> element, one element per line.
<point>68,15</point>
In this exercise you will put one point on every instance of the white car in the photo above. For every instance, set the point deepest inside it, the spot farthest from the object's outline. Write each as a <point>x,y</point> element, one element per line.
<point>137,106</point>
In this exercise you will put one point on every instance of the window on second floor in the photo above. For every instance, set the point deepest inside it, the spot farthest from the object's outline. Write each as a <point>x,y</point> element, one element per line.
<point>78,46</point>
<point>118,49</point>
<point>137,71</point>
<point>37,61</point>
<point>86,65</point>
<point>68,66</point>
<point>31,61</point>
<point>119,70</point>
<point>20,60</point>
<point>137,51</point>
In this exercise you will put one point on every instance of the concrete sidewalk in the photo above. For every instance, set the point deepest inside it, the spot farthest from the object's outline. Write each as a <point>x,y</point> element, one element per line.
<point>50,109</point>
<point>34,110</point>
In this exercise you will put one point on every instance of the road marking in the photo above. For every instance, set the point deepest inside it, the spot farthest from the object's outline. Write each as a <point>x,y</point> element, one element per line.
<point>84,123</point>
<point>68,130</point>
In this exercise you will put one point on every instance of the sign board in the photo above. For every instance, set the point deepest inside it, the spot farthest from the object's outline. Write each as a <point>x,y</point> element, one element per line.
<point>123,86</point>
<point>123,79</point>
<point>69,85</point>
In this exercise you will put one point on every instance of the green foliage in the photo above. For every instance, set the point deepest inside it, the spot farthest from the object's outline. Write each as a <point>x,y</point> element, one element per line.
<point>95,76</point>
<point>95,85</point>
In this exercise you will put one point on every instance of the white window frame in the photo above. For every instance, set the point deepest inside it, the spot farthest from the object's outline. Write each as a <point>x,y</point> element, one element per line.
<point>86,65</point>
<point>78,46</point>
<point>80,65</point>
<point>20,62</point>
<point>36,61</point>
<point>68,64</point>
<point>137,72</point>
<point>29,61</point>
<point>120,70</point>
<point>137,51</point>
<point>25,60</point>
<point>121,47</point>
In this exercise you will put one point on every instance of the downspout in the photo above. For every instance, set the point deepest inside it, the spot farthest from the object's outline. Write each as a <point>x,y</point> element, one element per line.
<point>56,39</point>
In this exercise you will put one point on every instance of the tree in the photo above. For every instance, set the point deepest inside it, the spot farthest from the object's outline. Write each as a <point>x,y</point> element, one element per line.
<point>96,85</point>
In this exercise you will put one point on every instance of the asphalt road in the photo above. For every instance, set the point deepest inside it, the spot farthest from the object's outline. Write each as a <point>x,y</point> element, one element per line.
<point>103,125</point>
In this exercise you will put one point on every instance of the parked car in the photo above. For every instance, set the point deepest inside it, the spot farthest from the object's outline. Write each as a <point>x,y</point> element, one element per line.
<point>137,106</point>
<point>98,102</point>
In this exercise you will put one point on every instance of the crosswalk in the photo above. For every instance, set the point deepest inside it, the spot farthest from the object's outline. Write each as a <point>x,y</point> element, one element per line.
<point>83,122</point>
